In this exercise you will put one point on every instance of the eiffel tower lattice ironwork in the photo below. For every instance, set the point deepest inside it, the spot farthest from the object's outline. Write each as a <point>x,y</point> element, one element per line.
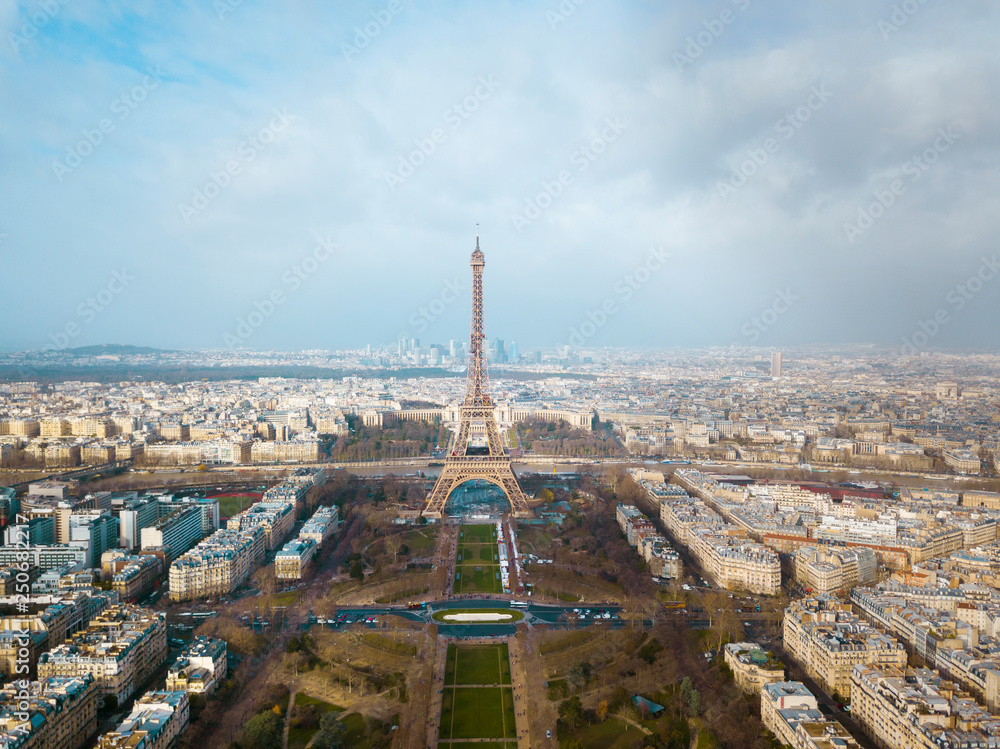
<point>464,462</point>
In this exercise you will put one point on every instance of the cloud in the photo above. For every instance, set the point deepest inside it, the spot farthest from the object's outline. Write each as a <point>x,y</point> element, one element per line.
<point>357,114</point>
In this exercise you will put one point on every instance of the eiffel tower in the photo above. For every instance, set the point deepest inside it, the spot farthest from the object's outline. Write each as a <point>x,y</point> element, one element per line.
<point>464,462</point>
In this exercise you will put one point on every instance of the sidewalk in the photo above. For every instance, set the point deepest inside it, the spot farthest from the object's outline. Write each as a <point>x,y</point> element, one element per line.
<point>519,680</point>
<point>437,685</point>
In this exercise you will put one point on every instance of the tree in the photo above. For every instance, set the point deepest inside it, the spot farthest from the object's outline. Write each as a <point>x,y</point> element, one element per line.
<point>263,731</point>
<point>332,734</point>
<point>393,544</point>
<point>571,712</point>
<point>358,571</point>
<point>602,710</point>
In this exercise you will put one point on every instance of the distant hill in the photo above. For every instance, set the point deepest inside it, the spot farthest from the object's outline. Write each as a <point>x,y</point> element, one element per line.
<point>115,348</point>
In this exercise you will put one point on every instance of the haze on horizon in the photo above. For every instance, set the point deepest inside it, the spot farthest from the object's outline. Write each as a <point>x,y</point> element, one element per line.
<point>685,169</point>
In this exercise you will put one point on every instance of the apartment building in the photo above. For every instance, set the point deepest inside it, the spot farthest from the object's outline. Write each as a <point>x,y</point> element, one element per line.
<point>218,565</point>
<point>790,712</point>
<point>737,563</point>
<point>178,531</point>
<point>174,431</point>
<point>290,451</point>
<point>827,569</point>
<point>156,720</point>
<point>122,647</point>
<point>201,668</point>
<point>918,709</point>
<point>49,620</point>
<point>962,461</point>
<point>275,517</point>
<point>827,640</point>
<point>752,668</point>
<point>132,577</point>
<point>53,713</point>
<point>97,453</point>
<point>293,558</point>
<point>54,427</point>
<point>61,455</point>
<point>323,524</point>
<point>44,557</point>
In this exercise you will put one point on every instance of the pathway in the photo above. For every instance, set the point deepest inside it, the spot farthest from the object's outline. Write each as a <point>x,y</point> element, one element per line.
<point>437,691</point>
<point>519,681</point>
<point>288,719</point>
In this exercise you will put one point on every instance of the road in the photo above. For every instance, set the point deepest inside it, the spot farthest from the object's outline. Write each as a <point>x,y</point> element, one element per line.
<point>534,614</point>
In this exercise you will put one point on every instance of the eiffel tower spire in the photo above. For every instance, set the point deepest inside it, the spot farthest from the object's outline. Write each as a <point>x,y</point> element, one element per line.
<point>464,462</point>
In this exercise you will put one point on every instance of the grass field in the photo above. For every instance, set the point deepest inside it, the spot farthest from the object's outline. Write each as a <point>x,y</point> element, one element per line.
<point>421,541</point>
<point>478,578</point>
<point>477,568</point>
<point>472,706</point>
<point>477,664</point>
<point>478,534</point>
<point>299,737</point>
<point>233,504</point>
<point>476,553</point>
<point>287,598</point>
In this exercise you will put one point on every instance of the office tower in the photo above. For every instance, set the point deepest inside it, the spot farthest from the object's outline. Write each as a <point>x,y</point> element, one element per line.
<point>513,354</point>
<point>776,364</point>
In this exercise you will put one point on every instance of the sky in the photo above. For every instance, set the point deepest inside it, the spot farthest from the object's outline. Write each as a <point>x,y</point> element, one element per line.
<point>310,175</point>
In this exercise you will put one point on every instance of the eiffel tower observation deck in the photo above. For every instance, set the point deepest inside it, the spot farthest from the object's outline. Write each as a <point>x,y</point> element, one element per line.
<point>466,462</point>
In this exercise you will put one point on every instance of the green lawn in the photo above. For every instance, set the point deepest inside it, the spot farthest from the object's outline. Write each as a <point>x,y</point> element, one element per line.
<point>355,723</point>
<point>299,737</point>
<point>475,712</point>
<point>233,504</point>
<point>477,553</point>
<point>287,598</point>
<point>478,578</point>
<point>421,541</point>
<point>482,534</point>
<point>477,664</point>
<point>611,734</point>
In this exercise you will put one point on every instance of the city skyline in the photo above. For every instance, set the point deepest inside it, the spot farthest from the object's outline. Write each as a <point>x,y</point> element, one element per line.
<point>690,176</point>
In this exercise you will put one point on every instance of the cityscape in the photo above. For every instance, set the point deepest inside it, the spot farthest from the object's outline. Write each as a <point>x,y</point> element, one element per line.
<point>559,376</point>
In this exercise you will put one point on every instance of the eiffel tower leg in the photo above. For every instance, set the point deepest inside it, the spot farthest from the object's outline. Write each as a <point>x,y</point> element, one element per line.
<point>499,472</point>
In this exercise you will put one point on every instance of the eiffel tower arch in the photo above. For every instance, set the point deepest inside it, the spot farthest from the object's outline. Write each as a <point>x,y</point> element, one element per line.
<point>466,462</point>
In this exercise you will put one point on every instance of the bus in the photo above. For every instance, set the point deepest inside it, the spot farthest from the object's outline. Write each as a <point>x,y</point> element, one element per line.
<point>519,604</point>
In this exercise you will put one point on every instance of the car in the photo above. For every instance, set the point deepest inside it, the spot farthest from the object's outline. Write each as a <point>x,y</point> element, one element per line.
<point>548,733</point>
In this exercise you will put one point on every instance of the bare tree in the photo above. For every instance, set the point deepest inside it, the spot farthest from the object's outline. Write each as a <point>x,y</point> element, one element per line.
<point>393,545</point>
